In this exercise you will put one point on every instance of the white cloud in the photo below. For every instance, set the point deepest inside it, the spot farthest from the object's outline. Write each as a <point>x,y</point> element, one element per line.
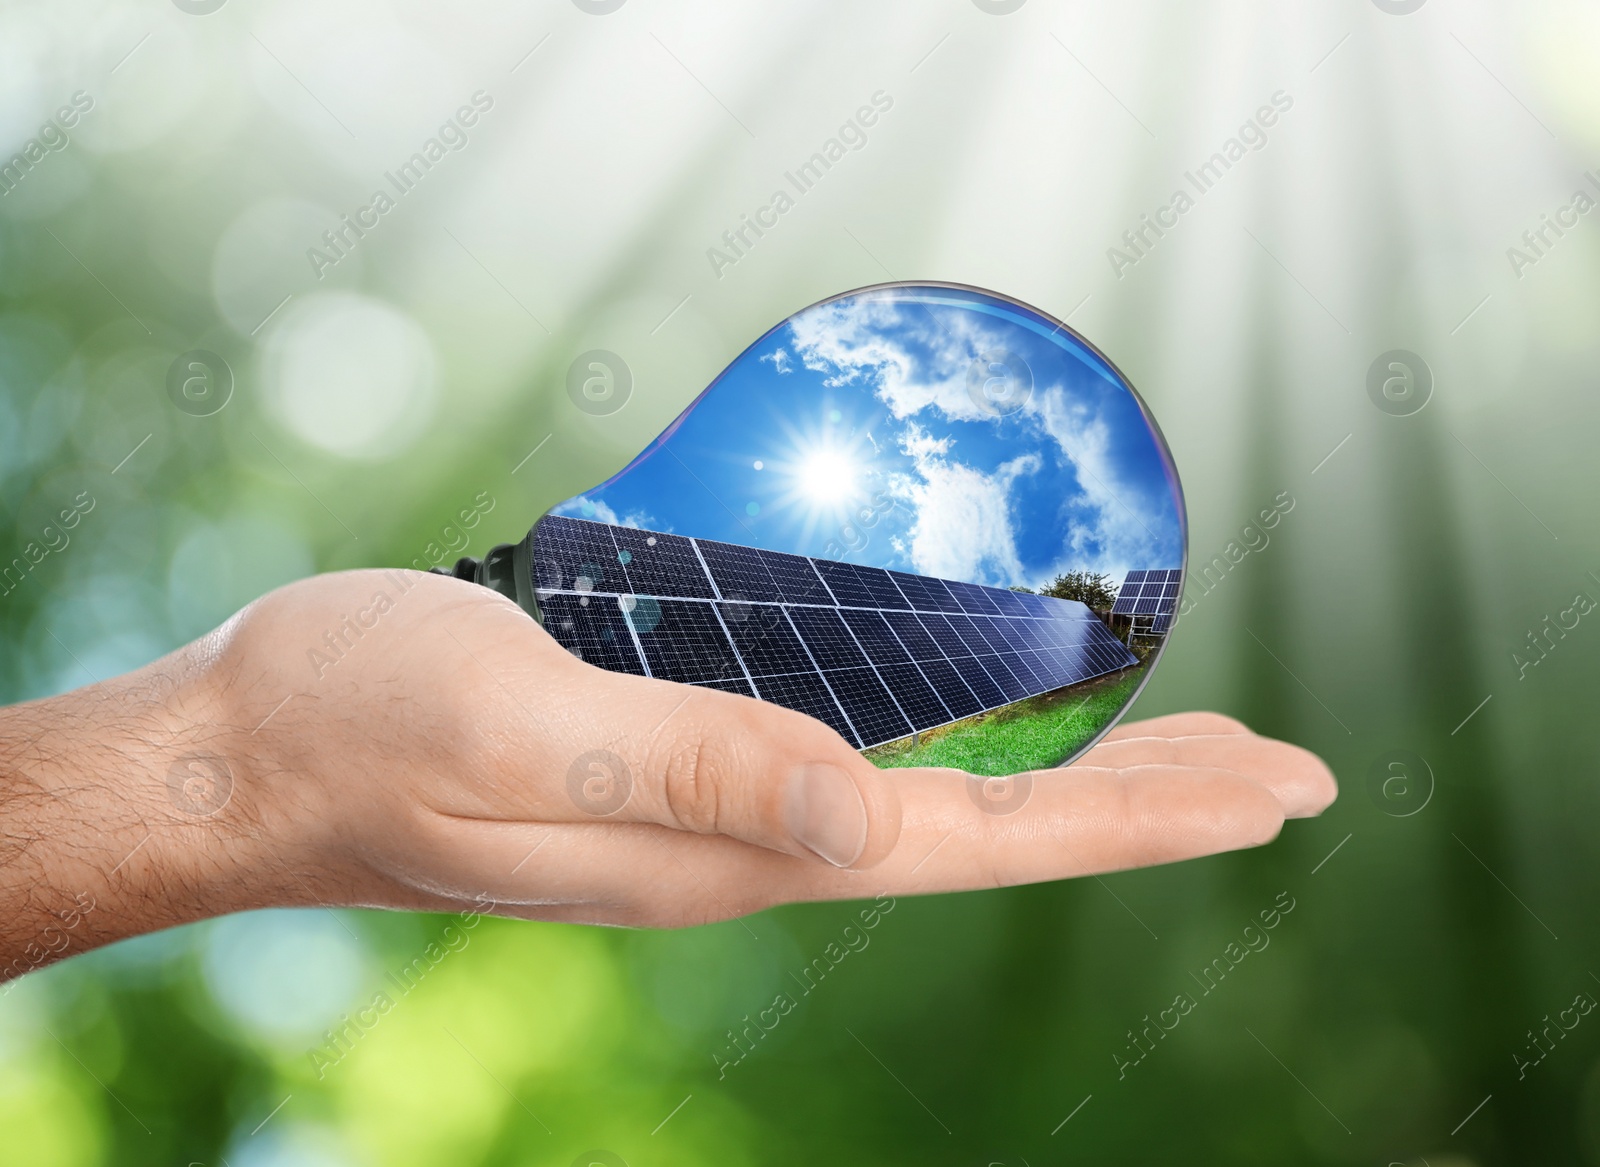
<point>962,525</point>
<point>965,522</point>
<point>780,360</point>
<point>1111,525</point>
<point>854,340</point>
<point>584,507</point>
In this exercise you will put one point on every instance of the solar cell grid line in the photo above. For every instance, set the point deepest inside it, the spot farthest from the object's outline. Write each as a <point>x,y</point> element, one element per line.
<point>893,696</point>
<point>913,636</point>
<point>918,700</point>
<point>658,564</point>
<point>1024,671</point>
<point>687,643</point>
<point>829,641</point>
<point>970,669</point>
<point>808,693</point>
<point>1032,635</point>
<point>971,635</point>
<point>880,585</point>
<point>846,586</point>
<point>943,634</point>
<point>1074,635</point>
<point>795,577</point>
<point>1009,602</point>
<point>569,549</point>
<point>1052,669</point>
<point>1037,605</point>
<point>972,598</point>
<point>1056,669</point>
<point>701,560</point>
<point>876,640</point>
<point>869,705</point>
<point>594,631</point>
<point>1037,636</point>
<point>738,571</point>
<point>764,640</point>
<point>853,735</point>
<point>1014,632</point>
<point>953,691</point>
<point>949,697</point>
<point>1010,684</point>
<point>993,632</point>
<point>925,593</point>
<point>716,610</point>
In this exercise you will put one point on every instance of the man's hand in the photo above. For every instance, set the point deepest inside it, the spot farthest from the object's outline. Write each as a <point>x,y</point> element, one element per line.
<point>400,740</point>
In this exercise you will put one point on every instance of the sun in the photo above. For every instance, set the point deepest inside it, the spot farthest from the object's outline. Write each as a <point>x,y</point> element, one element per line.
<point>826,475</point>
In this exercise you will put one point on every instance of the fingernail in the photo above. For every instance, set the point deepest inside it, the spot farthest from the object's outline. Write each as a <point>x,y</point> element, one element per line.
<point>825,813</point>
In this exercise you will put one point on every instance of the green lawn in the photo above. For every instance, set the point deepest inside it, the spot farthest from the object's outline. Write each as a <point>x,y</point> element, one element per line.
<point>1029,735</point>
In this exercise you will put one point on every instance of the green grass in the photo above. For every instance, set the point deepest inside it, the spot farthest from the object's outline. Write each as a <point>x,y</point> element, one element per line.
<point>1029,735</point>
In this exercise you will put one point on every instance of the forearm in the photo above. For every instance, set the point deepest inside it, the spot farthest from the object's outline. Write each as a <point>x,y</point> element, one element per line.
<point>114,815</point>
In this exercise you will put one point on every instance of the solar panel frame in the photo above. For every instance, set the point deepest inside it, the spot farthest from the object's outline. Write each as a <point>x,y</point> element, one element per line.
<point>1161,584</point>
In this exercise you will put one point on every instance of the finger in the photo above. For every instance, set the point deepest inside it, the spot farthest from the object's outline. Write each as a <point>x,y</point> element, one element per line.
<point>1086,822</point>
<point>1177,725</point>
<point>1301,781</point>
<point>696,759</point>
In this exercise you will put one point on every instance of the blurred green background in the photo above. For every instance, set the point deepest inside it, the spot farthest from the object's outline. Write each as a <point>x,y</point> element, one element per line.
<point>1438,922</point>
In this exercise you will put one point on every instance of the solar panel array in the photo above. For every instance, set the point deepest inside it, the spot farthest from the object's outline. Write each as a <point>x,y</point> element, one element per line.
<point>1148,593</point>
<point>876,654</point>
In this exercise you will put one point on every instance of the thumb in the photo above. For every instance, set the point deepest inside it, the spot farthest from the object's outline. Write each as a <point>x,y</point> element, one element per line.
<point>718,763</point>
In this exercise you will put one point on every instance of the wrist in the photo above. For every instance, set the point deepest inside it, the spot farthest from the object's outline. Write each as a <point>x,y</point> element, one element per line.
<point>123,809</point>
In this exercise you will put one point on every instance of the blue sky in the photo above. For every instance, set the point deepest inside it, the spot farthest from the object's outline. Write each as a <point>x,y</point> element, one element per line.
<point>850,432</point>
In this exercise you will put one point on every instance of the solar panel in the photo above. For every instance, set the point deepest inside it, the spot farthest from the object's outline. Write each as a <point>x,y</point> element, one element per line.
<point>795,577</point>
<point>972,598</point>
<point>828,638</point>
<point>593,629</point>
<point>1009,602</point>
<point>738,571</point>
<point>1148,593</point>
<point>876,654</point>
<point>578,556</point>
<point>925,593</point>
<point>873,634</point>
<point>661,565</point>
<point>684,641</point>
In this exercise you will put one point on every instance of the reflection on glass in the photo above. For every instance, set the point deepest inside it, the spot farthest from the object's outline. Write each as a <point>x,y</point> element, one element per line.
<point>933,518</point>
